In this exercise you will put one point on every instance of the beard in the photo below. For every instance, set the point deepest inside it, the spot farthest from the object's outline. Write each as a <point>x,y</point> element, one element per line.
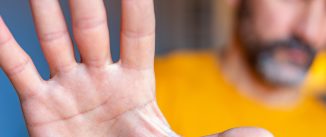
<point>280,62</point>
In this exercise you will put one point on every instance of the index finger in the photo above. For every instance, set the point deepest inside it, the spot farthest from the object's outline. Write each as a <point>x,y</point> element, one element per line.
<point>138,33</point>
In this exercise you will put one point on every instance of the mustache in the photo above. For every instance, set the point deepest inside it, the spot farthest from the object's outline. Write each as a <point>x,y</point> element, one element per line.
<point>290,43</point>
<point>269,48</point>
<point>257,50</point>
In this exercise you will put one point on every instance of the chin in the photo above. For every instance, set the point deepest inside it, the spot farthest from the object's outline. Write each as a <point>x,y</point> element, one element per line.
<point>281,74</point>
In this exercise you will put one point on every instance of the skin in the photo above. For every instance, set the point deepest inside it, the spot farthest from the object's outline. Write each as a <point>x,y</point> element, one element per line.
<point>304,18</point>
<point>274,20</point>
<point>94,98</point>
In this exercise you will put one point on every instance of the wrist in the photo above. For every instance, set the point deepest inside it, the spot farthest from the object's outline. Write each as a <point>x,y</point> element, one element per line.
<point>146,121</point>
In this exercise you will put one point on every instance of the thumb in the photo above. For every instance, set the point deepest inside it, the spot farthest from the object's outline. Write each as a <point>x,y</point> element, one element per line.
<point>244,132</point>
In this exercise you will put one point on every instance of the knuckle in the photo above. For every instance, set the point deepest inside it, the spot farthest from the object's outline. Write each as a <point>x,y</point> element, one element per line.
<point>138,34</point>
<point>53,36</point>
<point>18,67</point>
<point>87,23</point>
<point>96,62</point>
<point>5,41</point>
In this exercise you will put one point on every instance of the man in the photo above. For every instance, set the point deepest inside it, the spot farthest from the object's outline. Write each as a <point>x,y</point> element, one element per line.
<point>95,98</point>
<point>261,77</point>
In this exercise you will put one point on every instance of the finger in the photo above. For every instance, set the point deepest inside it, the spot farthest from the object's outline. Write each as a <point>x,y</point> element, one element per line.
<point>91,31</point>
<point>244,132</point>
<point>53,34</point>
<point>138,33</point>
<point>17,64</point>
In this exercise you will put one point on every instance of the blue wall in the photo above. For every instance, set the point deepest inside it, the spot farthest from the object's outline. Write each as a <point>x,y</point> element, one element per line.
<point>17,15</point>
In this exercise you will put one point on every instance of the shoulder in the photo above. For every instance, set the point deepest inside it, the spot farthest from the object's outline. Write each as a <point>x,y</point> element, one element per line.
<point>183,74</point>
<point>184,62</point>
<point>316,79</point>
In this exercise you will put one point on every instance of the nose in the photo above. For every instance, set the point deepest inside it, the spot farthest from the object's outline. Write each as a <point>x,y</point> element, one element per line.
<point>310,24</point>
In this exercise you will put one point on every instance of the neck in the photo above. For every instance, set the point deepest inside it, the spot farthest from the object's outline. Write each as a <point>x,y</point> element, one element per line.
<point>238,71</point>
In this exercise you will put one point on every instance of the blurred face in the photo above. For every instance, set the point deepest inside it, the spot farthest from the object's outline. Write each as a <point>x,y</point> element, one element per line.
<point>280,38</point>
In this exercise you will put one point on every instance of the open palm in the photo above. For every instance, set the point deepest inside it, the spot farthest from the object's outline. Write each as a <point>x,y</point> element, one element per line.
<point>96,95</point>
<point>94,98</point>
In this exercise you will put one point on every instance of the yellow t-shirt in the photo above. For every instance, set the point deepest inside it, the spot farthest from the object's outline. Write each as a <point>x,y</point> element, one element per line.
<point>197,100</point>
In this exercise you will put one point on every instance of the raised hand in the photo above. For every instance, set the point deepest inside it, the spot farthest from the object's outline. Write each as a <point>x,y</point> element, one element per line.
<point>96,97</point>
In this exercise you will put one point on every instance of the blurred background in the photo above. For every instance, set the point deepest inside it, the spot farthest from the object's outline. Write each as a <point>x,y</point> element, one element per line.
<point>185,25</point>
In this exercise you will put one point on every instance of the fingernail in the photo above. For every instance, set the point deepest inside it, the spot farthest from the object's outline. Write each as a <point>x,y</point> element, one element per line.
<point>1,22</point>
<point>4,35</point>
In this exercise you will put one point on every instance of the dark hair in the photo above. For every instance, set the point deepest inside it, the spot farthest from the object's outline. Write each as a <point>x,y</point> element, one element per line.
<point>243,11</point>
